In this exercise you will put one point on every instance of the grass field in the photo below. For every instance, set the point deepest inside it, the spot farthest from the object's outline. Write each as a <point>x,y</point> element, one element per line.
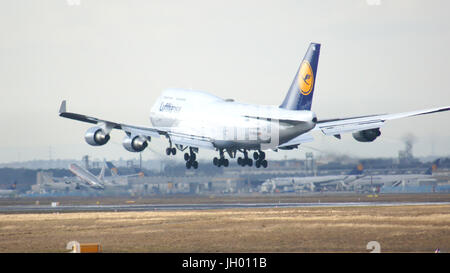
<point>346,229</point>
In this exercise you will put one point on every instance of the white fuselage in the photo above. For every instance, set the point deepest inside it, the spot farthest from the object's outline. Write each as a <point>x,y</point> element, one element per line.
<point>226,123</point>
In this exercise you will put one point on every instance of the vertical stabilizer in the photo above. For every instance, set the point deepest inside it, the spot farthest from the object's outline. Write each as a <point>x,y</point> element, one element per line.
<point>300,94</point>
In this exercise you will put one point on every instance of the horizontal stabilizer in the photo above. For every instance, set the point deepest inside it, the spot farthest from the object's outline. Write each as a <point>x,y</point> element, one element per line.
<point>354,124</point>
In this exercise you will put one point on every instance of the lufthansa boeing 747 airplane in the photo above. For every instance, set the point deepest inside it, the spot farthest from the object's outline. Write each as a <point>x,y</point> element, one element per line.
<point>193,120</point>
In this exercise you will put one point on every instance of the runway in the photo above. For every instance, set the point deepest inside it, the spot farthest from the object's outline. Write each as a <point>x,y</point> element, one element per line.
<point>168,207</point>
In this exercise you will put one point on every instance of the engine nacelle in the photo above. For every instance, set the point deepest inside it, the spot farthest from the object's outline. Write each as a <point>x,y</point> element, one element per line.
<point>135,143</point>
<point>367,135</point>
<point>95,136</point>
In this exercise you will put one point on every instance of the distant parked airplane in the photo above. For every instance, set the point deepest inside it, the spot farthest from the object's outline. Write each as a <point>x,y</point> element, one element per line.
<point>370,182</point>
<point>312,183</point>
<point>100,181</point>
<point>10,190</point>
<point>354,180</point>
<point>86,176</point>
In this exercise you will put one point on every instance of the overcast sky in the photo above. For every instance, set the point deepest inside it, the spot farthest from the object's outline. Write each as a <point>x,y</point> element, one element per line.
<point>111,59</point>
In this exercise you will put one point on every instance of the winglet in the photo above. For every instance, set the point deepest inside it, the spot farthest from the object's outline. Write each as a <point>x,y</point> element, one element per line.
<point>62,108</point>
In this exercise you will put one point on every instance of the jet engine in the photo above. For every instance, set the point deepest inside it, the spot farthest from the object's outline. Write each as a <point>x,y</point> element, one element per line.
<point>367,135</point>
<point>135,143</point>
<point>95,136</point>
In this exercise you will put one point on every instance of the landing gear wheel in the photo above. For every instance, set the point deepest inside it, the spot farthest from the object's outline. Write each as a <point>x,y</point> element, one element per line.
<point>250,162</point>
<point>188,164</point>
<point>186,156</point>
<point>262,155</point>
<point>195,164</point>
<point>170,151</point>
<point>225,162</point>
<point>255,155</point>
<point>257,164</point>
<point>221,161</point>
<point>239,161</point>
<point>264,163</point>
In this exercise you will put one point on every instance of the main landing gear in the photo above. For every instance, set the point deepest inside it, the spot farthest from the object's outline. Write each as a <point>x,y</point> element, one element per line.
<point>222,161</point>
<point>191,159</point>
<point>260,159</point>
<point>245,161</point>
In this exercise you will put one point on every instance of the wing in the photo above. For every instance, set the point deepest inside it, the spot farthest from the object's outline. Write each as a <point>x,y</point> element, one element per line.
<point>175,137</point>
<point>354,124</point>
<point>153,132</point>
<point>304,138</point>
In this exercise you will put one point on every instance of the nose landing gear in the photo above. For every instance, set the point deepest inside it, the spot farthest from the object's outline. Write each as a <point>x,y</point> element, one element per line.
<point>171,151</point>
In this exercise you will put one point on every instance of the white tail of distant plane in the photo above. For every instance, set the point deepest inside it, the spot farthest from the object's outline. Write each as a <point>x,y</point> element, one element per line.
<point>86,176</point>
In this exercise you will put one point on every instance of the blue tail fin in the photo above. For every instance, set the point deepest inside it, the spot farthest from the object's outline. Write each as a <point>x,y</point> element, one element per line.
<point>357,170</point>
<point>112,168</point>
<point>300,94</point>
<point>433,167</point>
